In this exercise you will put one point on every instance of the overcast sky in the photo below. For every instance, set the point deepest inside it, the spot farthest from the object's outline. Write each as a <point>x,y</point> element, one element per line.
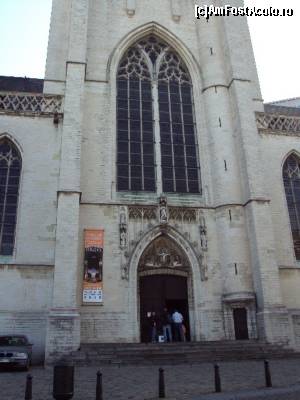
<point>24,26</point>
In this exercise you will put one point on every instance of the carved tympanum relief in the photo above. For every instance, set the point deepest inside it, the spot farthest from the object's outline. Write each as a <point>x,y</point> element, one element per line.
<point>163,253</point>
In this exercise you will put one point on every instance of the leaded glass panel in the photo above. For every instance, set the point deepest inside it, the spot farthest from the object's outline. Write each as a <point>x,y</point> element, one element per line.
<point>291,180</point>
<point>177,129</point>
<point>10,170</point>
<point>135,140</point>
<point>152,70</point>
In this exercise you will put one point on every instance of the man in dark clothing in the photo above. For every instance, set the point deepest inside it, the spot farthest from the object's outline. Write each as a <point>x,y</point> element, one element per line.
<point>153,322</point>
<point>166,319</point>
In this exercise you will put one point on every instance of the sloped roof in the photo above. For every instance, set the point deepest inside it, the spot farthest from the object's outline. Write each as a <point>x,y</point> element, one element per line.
<point>293,102</point>
<point>289,107</point>
<point>19,84</point>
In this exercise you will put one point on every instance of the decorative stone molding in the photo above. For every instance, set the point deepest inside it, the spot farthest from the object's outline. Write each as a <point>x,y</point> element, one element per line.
<point>130,7</point>
<point>175,261</point>
<point>142,213</point>
<point>182,215</point>
<point>176,10</point>
<point>277,123</point>
<point>203,233</point>
<point>163,211</point>
<point>163,253</point>
<point>123,228</point>
<point>174,214</point>
<point>239,297</point>
<point>235,300</point>
<point>203,270</point>
<point>31,104</point>
<point>165,218</point>
<point>125,271</point>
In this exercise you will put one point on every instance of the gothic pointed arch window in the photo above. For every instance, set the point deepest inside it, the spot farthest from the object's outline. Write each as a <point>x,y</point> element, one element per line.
<point>291,180</point>
<point>10,170</point>
<point>156,131</point>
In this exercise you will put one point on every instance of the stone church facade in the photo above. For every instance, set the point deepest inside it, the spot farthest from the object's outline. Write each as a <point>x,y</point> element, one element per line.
<point>150,129</point>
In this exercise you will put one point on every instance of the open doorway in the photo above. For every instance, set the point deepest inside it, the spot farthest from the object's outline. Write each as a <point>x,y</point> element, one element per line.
<point>240,323</point>
<point>160,291</point>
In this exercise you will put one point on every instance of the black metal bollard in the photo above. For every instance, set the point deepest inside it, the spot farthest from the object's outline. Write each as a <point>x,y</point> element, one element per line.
<point>268,374</point>
<point>63,382</point>
<point>99,390</point>
<point>28,390</point>
<point>161,384</point>
<point>218,388</point>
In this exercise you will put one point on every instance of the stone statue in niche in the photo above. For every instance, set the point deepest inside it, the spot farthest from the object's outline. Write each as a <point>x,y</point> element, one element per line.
<point>177,261</point>
<point>123,237</point>
<point>163,211</point>
<point>164,256</point>
<point>123,228</point>
<point>125,272</point>
<point>203,234</point>
<point>203,272</point>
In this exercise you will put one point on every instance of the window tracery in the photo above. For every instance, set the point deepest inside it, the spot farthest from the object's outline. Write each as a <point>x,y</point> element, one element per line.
<point>172,69</point>
<point>291,180</point>
<point>154,84</point>
<point>134,66</point>
<point>10,169</point>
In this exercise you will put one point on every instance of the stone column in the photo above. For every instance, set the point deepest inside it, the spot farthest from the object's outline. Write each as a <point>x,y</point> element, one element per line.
<point>273,323</point>
<point>58,45</point>
<point>63,329</point>
<point>226,179</point>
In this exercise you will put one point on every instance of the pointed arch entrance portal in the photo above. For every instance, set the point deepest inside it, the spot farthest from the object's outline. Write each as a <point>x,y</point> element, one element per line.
<point>164,280</point>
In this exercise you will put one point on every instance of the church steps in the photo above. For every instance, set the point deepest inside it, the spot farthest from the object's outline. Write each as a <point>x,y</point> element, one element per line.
<point>176,353</point>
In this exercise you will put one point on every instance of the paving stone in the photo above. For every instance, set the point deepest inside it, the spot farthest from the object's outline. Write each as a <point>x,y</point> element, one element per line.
<point>183,382</point>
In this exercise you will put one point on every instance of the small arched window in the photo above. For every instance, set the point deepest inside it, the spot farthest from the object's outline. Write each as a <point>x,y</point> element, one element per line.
<point>291,179</point>
<point>156,138</point>
<point>10,170</point>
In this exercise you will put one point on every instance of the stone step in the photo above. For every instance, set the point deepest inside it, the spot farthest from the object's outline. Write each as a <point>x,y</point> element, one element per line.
<point>175,353</point>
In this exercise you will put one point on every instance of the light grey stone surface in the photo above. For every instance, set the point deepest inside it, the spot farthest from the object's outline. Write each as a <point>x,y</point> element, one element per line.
<point>69,184</point>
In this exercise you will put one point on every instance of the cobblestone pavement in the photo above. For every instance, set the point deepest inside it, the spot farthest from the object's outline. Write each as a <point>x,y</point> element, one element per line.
<point>183,382</point>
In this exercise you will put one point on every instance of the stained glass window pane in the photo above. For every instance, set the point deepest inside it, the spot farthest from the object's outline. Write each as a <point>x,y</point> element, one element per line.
<point>179,147</point>
<point>135,160</point>
<point>136,89</point>
<point>291,180</point>
<point>10,169</point>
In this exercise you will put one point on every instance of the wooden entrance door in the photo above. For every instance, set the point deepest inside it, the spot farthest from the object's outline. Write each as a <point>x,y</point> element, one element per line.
<point>159,291</point>
<point>240,323</point>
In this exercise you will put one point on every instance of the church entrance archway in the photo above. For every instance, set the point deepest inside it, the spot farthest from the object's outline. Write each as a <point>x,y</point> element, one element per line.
<point>164,281</point>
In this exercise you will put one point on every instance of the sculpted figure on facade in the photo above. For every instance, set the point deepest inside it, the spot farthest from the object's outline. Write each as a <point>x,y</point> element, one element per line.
<point>123,228</point>
<point>203,233</point>
<point>125,271</point>
<point>163,210</point>
<point>163,253</point>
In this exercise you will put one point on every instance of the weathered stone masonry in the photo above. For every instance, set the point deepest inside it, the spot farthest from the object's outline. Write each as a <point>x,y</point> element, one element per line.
<point>234,236</point>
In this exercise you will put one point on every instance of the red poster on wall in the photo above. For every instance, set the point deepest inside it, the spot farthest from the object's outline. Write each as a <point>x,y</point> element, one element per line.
<point>93,266</point>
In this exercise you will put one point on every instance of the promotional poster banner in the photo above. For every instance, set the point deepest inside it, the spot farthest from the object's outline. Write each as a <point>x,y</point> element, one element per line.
<point>93,266</point>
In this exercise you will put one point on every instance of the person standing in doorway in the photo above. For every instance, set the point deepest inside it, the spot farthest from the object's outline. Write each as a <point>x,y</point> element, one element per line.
<point>177,320</point>
<point>153,327</point>
<point>167,325</point>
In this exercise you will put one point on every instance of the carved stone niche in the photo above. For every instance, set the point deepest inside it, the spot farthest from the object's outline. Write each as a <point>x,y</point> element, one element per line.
<point>163,253</point>
<point>130,7</point>
<point>123,228</point>
<point>203,233</point>
<point>163,211</point>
